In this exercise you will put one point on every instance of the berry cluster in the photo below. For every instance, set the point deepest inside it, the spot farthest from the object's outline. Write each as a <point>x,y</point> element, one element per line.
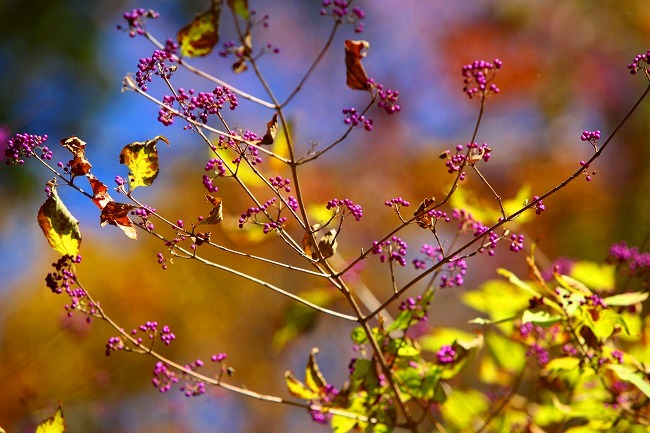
<point>478,75</point>
<point>539,206</point>
<point>196,107</point>
<point>353,209</point>
<point>340,9</point>
<point>387,97</point>
<point>218,166</point>
<point>590,136</point>
<point>640,62</point>
<point>635,263</point>
<point>280,183</point>
<point>417,306</point>
<point>354,118</point>
<point>24,146</point>
<point>161,63</point>
<point>163,377</point>
<point>195,387</point>
<point>446,355</point>
<point>585,167</point>
<point>517,243</point>
<point>396,203</point>
<point>251,215</point>
<point>396,250</point>
<point>63,276</point>
<point>135,21</point>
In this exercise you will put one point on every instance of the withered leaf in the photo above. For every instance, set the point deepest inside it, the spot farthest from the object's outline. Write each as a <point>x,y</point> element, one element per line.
<point>101,197</point>
<point>271,131</point>
<point>79,165</point>
<point>199,37</point>
<point>357,78</point>
<point>216,214</point>
<point>327,244</point>
<point>117,214</point>
<point>423,219</point>
<point>243,53</point>
<point>308,245</point>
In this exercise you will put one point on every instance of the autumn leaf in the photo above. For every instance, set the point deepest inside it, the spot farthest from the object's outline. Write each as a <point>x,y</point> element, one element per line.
<point>54,424</point>
<point>142,160</point>
<point>327,244</point>
<point>271,131</point>
<point>216,214</point>
<point>422,218</point>
<point>60,228</point>
<point>357,78</point>
<point>117,214</point>
<point>79,165</point>
<point>240,7</point>
<point>101,197</point>
<point>199,37</point>
<point>314,379</point>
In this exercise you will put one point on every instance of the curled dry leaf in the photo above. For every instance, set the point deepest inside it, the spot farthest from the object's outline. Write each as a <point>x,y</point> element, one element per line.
<point>117,214</point>
<point>307,243</point>
<point>199,37</point>
<point>327,244</point>
<point>271,131</point>
<point>422,218</point>
<point>357,78</point>
<point>101,197</point>
<point>216,214</point>
<point>79,165</point>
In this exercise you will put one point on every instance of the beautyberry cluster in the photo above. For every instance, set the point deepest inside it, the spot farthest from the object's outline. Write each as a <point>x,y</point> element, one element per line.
<point>387,97</point>
<point>353,209</point>
<point>630,260</point>
<point>585,167</point>
<point>161,63</point>
<point>446,355</point>
<point>393,249</point>
<point>396,203</point>
<point>196,107</point>
<point>24,146</point>
<point>354,118</point>
<point>135,20</point>
<point>417,306</point>
<point>640,62</point>
<point>478,75</point>
<point>63,280</point>
<point>539,206</point>
<point>590,136</point>
<point>279,183</point>
<point>339,9</point>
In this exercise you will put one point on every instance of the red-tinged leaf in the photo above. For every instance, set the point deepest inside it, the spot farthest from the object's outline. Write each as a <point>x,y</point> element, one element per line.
<point>240,7</point>
<point>142,160</point>
<point>216,214</point>
<point>54,424</point>
<point>199,37</point>
<point>101,197</point>
<point>79,165</point>
<point>357,78</point>
<point>271,131</point>
<point>60,228</point>
<point>314,379</point>
<point>422,218</point>
<point>117,214</point>
<point>299,389</point>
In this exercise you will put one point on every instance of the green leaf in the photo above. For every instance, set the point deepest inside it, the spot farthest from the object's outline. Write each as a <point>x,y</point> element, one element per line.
<point>438,337</point>
<point>626,299</point>
<point>54,424</point>
<point>358,335</point>
<point>299,389</point>
<point>60,228</point>
<point>499,299</point>
<point>199,37</point>
<point>629,375</point>
<point>541,318</point>
<point>343,424</point>
<point>240,7</point>
<point>462,408</point>
<point>314,379</point>
<point>142,161</point>
<point>597,276</point>
<point>562,364</point>
<point>513,279</point>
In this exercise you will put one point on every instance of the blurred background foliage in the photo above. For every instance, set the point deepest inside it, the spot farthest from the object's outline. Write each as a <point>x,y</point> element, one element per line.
<point>62,65</point>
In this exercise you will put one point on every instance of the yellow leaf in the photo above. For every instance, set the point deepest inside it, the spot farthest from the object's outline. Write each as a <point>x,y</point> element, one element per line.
<point>54,424</point>
<point>199,37</point>
<point>60,228</point>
